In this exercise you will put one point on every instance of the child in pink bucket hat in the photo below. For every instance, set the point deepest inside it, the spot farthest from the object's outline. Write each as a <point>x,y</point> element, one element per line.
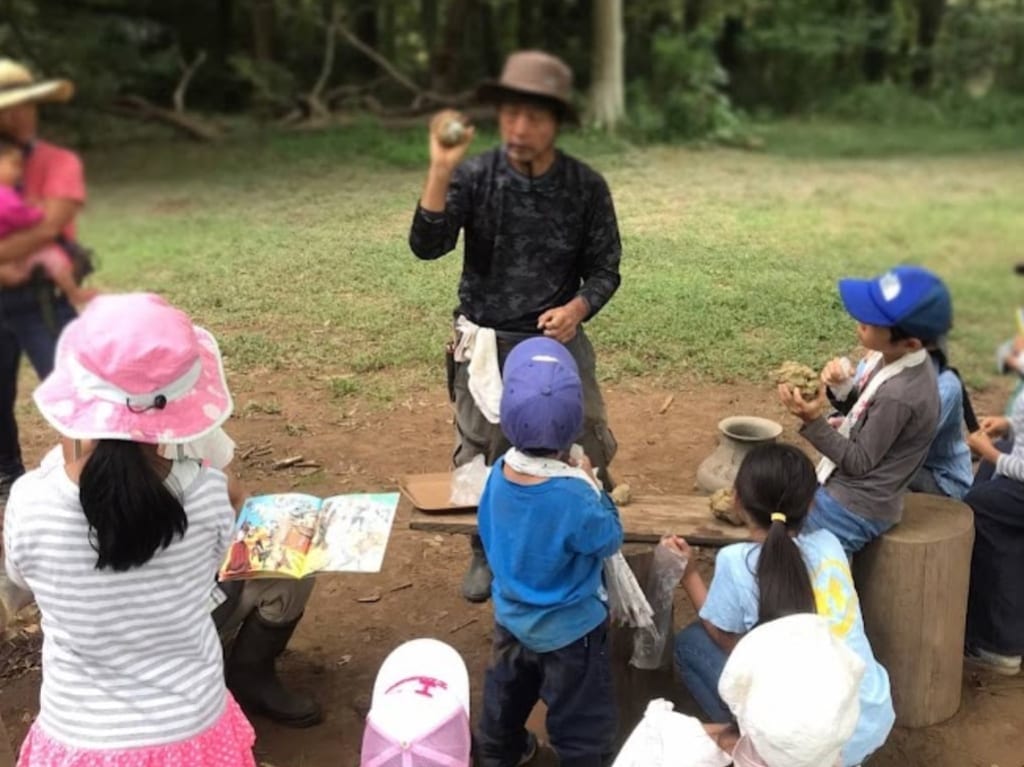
<point>120,546</point>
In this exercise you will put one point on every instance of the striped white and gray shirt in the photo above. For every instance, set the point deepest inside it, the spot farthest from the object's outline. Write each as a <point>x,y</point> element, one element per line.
<point>130,658</point>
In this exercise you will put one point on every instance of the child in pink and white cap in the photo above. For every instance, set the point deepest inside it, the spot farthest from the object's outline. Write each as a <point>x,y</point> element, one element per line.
<point>120,545</point>
<point>419,714</point>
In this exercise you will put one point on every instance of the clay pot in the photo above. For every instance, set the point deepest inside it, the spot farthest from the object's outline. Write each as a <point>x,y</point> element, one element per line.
<point>738,435</point>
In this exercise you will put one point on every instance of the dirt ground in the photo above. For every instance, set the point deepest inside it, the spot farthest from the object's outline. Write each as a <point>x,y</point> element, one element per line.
<point>341,642</point>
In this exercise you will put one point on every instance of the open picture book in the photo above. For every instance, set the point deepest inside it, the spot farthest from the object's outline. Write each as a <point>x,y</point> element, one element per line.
<point>293,535</point>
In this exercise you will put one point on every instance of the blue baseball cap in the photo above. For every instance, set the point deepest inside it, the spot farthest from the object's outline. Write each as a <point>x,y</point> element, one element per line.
<point>542,397</point>
<point>910,298</point>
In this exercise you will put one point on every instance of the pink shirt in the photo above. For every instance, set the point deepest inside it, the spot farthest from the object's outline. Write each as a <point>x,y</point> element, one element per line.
<point>15,213</point>
<point>52,172</point>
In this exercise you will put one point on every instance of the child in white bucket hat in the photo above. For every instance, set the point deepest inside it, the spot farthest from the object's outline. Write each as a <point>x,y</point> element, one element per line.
<point>120,546</point>
<point>793,690</point>
<point>419,714</point>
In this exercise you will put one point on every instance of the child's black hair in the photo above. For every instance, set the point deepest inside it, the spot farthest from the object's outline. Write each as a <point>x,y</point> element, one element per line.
<point>779,479</point>
<point>131,512</point>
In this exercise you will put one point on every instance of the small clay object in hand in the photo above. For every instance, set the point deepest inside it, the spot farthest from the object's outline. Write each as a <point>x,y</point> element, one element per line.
<point>622,494</point>
<point>452,133</point>
<point>723,506</point>
<point>799,377</point>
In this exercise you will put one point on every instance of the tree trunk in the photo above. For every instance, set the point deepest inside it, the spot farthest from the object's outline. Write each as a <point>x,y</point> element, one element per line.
<point>262,20</point>
<point>389,28</point>
<point>446,60</point>
<point>693,10</point>
<point>525,14</point>
<point>875,63</point>
<point>490,52</point>
<point>607,91</point>
<point>428,23</point>
<point>364,25</point>
<point>929,22</point>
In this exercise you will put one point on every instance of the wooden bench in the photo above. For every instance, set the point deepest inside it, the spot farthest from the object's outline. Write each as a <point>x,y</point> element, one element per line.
<point>645,520</point>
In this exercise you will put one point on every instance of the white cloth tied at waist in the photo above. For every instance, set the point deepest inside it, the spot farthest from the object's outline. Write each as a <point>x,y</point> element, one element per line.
<point>479,347</point>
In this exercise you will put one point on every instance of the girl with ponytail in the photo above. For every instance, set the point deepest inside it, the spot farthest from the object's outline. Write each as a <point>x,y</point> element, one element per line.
<point>782,572</point>
<point>120,546</point>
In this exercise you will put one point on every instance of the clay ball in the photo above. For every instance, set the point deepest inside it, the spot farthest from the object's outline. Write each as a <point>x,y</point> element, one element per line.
<point>452,133</point>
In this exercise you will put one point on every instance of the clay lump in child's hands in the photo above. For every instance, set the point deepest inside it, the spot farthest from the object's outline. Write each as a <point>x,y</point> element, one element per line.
<point>723,506</point>
<point>799,378</point>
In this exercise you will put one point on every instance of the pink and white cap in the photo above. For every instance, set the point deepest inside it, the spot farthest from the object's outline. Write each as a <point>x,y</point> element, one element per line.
<point>419,715</point>
<point>133,367</point>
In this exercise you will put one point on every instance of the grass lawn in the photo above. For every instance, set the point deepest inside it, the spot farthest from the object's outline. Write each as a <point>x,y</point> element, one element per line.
<point>293,248</point>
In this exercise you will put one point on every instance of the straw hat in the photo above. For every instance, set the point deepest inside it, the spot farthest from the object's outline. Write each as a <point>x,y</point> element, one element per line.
<point>17,86</point>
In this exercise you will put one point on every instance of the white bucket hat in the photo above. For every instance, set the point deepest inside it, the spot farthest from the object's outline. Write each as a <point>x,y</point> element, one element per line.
<point>18,86</point>
<point>793,688</point>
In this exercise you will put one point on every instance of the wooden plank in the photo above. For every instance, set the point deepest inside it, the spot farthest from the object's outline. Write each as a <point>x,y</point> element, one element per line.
<point>645,520</point>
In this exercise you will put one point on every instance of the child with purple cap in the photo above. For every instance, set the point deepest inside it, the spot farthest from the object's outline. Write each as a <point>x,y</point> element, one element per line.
<point>891,406</point>
<point>546,527</point>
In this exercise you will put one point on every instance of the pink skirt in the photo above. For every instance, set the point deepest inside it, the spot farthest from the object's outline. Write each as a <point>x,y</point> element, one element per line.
<point>228,743</point>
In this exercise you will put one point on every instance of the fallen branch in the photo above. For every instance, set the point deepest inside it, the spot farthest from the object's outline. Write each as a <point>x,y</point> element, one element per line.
<point>188,70</point>
<point>463,625</point>
<point>420,95</point>
<point>140,108</point>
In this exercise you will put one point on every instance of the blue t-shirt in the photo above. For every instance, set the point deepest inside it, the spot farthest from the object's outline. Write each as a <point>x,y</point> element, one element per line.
<point>732,606</point>
<point>546,544</point>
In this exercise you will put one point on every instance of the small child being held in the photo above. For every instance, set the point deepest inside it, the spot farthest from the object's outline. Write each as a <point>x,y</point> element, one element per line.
<point>891,410</point>
<point>546,528</point>
<point>16,214</point>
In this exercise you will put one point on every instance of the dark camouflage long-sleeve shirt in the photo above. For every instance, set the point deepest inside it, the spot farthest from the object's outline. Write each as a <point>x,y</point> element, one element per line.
<point>530,244</point>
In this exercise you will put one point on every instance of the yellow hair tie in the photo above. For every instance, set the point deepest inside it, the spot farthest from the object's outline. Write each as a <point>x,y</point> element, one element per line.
<point>779,517</point>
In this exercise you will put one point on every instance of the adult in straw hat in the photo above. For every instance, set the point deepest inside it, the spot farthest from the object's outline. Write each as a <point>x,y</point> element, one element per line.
<point>32,315</point>
<point>541,256</point>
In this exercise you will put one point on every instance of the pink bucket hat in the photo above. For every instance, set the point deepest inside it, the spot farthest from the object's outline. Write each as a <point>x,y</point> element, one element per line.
<point>133,367</point>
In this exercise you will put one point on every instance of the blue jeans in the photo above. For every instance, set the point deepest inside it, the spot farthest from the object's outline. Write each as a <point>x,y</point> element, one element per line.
<point>853,531</point>
<point>700,662</point>
<point>23,328</point>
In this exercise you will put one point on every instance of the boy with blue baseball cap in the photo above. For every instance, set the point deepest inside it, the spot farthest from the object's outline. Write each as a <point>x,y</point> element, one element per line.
<point>891,406</point>
<point>546,527</point>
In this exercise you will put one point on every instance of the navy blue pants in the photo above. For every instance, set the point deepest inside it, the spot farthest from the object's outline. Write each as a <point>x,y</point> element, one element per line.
<point>23,328</point>
<point>995,606</point>
<point>575,682</point>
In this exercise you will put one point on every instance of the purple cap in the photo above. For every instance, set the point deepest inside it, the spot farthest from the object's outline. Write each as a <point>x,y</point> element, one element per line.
<point>542,397</point>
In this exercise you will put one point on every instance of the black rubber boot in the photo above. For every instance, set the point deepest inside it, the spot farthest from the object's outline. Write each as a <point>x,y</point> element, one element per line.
<point>253,680</point>
<point>476,584</point>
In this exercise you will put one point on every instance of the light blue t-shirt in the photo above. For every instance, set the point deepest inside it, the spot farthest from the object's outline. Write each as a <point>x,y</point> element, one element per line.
<point>732,606</point>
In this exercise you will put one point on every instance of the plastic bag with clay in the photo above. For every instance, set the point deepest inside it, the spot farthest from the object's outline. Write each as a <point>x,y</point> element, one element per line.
<point>627,605</point>
<point>468,482</point>
<point>666,571</point>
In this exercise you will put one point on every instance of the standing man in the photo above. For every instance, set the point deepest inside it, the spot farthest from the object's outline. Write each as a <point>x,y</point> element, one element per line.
<point>32,315</point>
<point>542,256</point>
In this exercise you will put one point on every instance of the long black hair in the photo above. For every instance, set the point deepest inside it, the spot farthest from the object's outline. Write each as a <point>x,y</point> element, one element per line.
<point>779,479</point>
<point>131,512</point>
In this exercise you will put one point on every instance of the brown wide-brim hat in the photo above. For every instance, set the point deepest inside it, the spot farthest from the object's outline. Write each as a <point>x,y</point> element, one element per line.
<point>18,86</point>
<point>532,73</point>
